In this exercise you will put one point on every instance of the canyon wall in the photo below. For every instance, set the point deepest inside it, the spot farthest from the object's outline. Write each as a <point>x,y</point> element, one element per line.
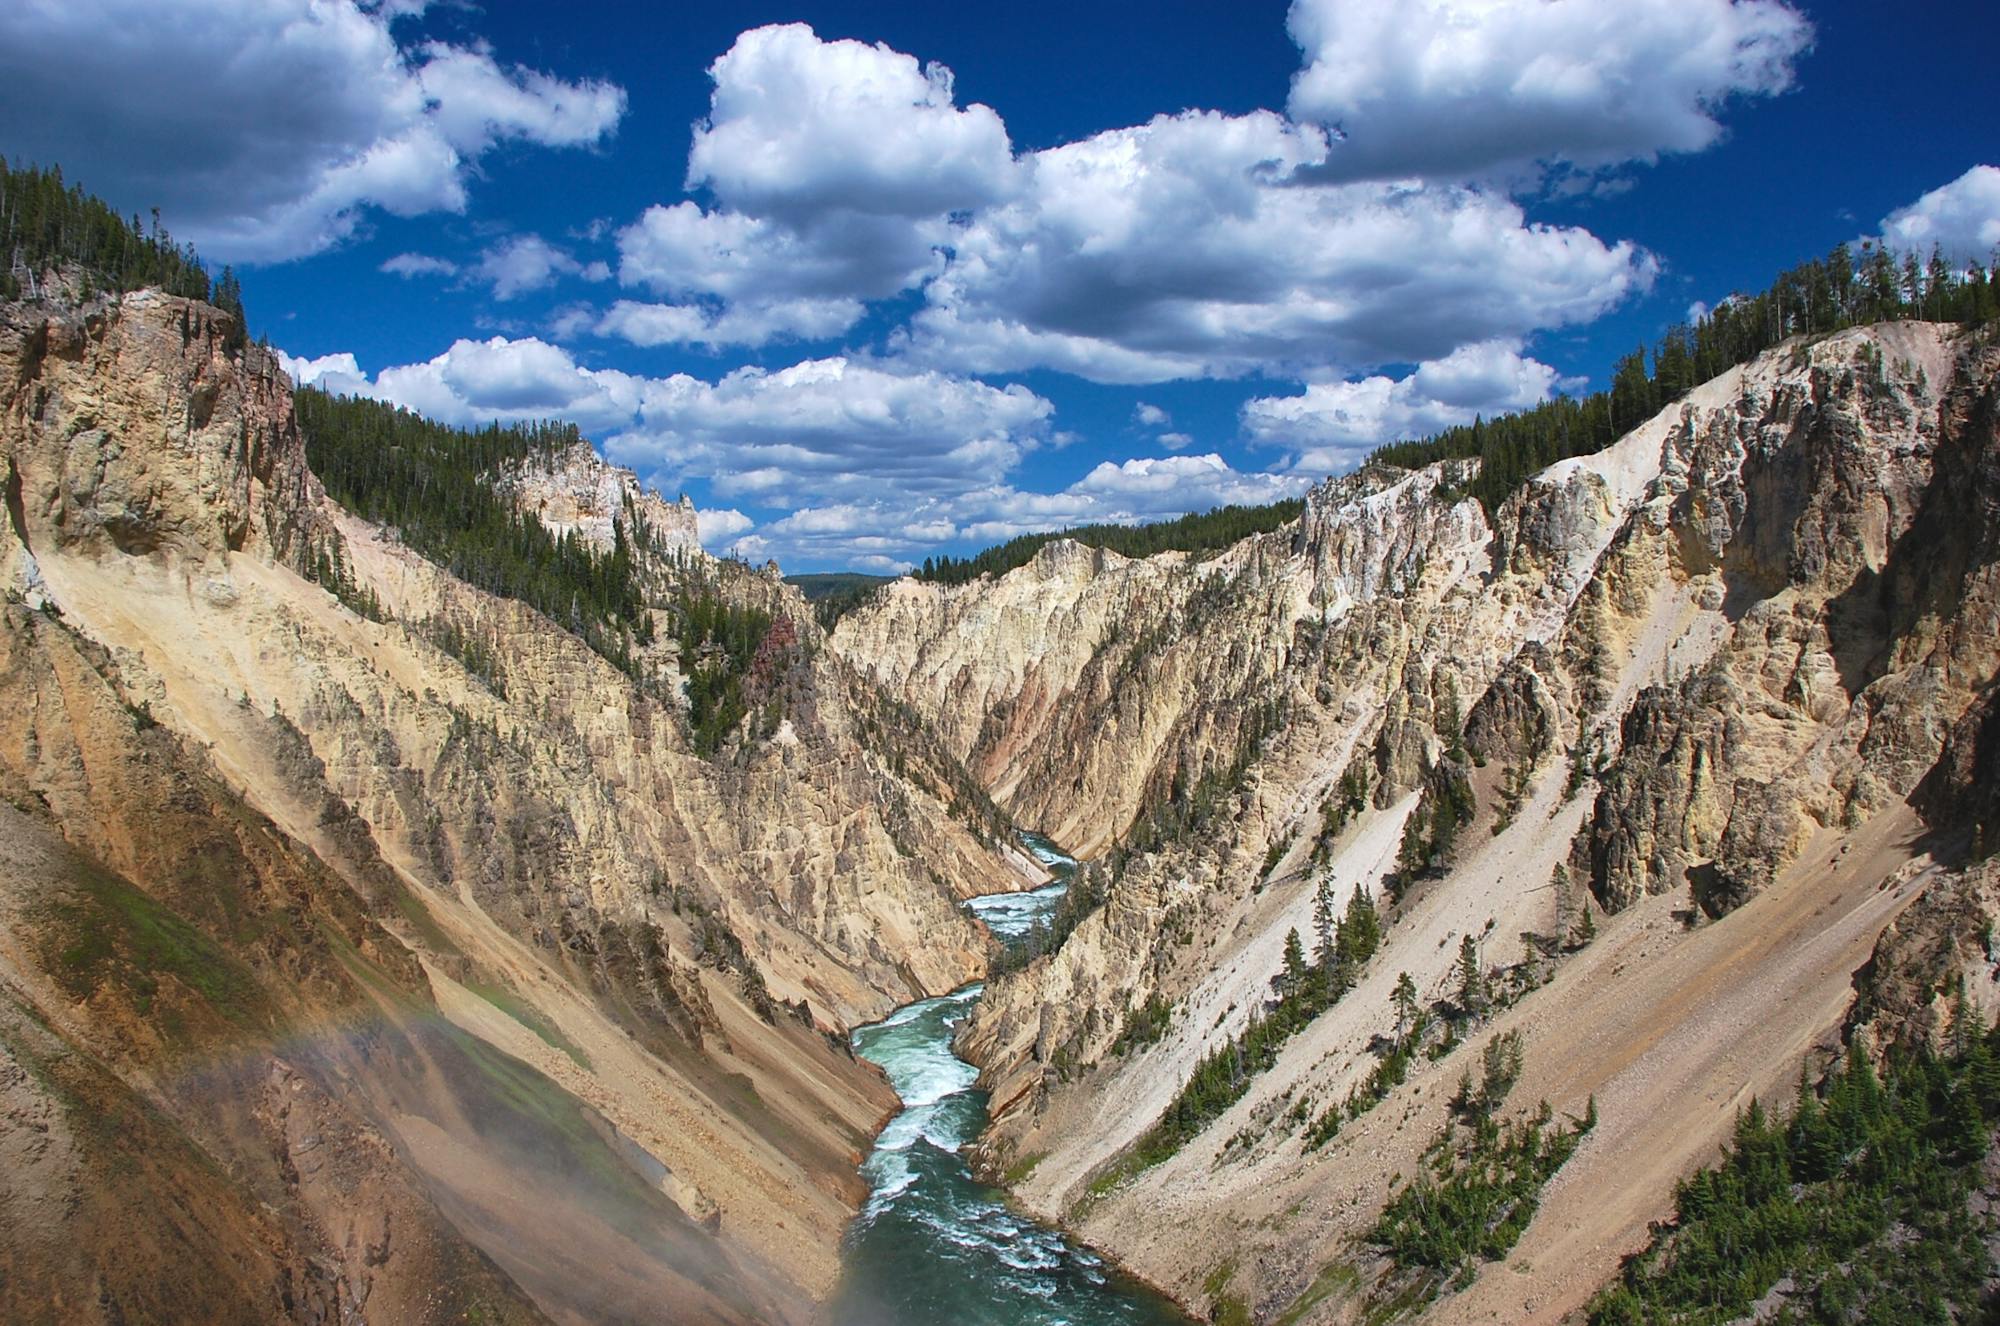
<point>498,996</point>
<point>1672,737</point>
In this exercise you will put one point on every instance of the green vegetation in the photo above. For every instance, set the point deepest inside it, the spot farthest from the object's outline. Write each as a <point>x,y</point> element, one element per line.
<point>1432,829</point>
<point>719,641</point>
<point>1144,1025</point>
<point>111,933</point>
<point>1275,853</point>
<point>474,652</point>
<point>436,486</point>
<point>834,594</point>
<point>1304,990</point>
<point>1333,1278</point>
<point>326,566</point>
<point>1815,298</point>
<point>1347,799</point>
<point>524,1013</point>
<point>1199,532</point>
<point>1186,807</point>
<point>1477,995</point>
<point>519,1098</point>
<point>44,225</point>
<point>414,911</point>
<point>1225,1308</point>
<point>1475,1191</point>
<point>1413,1024</point>
<point>439,489</point>
<point>1018,1172</point>
<point>1867,1204</point>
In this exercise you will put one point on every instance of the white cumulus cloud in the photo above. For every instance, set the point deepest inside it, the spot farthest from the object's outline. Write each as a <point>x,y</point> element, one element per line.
<point>332,371</point>
<point>1152,484</point>
<point>524,263</point>
<point>798,127</point>
<point>1961,218</point>
<point>718,527</point>
<point>409,265</point>
<point>836,167</point>
<point>1194,246</point>
<point>877,532</point>
<point>1463,89</point>
<point>871,464</point>
<point>1331,426</point>
<point>267,129</point>
<point>832,428</point>
<point>821,429</point>
<point>714,323</point>
<point>475,382</point>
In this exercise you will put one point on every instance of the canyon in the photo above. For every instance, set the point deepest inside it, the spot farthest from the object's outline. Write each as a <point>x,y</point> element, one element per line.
<point>376,948</point>
<point>1719,696</point>
<point>439,985</point>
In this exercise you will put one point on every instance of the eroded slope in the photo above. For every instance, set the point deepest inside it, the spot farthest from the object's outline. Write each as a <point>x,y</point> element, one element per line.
<point>507,959</point>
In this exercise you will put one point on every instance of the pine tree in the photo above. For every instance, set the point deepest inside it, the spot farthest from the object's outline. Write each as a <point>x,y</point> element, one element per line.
<point>1405,999</point>
<point>1289,981</point>
<point>1360,931</point>
<point>229,299</point>
<point>1471,980</point>
<point>1325,926</point>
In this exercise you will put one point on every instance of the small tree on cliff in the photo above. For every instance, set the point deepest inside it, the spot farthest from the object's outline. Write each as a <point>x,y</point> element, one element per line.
<point>1406,1005</point>
<point>1471,980</point>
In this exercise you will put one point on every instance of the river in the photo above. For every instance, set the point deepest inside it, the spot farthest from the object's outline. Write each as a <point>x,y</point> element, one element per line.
<point>935,1246</point>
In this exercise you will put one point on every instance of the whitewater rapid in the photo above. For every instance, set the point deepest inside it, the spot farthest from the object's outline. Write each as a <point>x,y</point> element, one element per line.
<point>933,1244</point>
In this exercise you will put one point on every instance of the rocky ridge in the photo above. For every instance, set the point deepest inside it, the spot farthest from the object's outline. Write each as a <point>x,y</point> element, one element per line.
<point>578,491</point>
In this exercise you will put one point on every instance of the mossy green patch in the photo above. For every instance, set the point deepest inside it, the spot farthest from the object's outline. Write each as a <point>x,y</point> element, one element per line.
<point>1019,1171</point>
<point>1333,1278</point>
<point>553,1116</point>
<point>105,933</point>
<point>1224,1308</point>
<point>414,910</point>
<point>525,1013</point>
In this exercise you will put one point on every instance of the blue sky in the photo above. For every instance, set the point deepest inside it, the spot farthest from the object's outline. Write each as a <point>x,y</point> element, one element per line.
<point>875,280</point>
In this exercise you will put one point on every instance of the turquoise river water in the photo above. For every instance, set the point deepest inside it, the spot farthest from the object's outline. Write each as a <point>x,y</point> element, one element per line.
<point>934,1245</point>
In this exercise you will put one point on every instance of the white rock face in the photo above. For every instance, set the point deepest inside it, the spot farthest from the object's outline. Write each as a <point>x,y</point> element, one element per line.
<point>579,491</point>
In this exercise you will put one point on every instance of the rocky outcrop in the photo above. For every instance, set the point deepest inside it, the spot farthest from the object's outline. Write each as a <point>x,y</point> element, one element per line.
<point>134,430</point>
<point>1964,787</point>
<point>1518,720</point>
<point>577,491</point>
<point>1844,501</point>
<point>1934,973</point>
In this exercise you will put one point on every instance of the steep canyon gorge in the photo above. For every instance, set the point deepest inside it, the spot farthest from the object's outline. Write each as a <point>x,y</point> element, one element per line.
<point>378,948</point>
